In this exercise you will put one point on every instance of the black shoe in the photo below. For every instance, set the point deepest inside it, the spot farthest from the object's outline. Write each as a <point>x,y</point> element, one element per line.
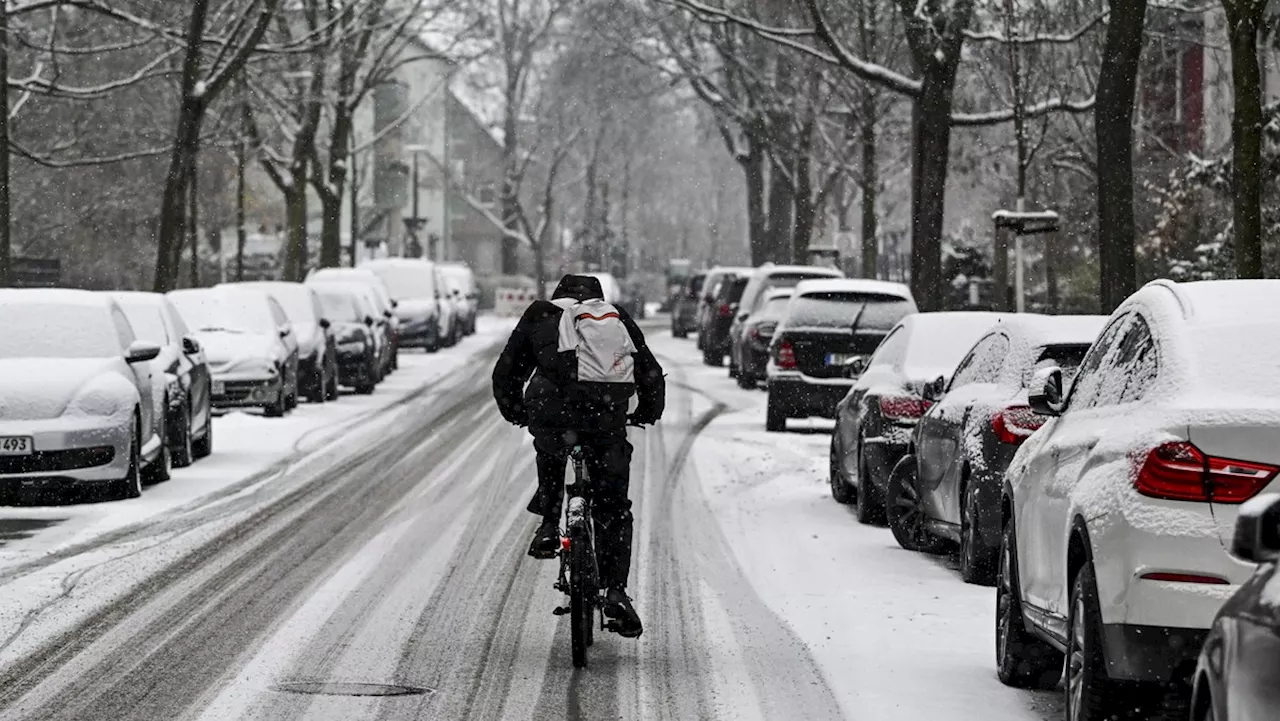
<point>623,619</point>
<point>546,540</point>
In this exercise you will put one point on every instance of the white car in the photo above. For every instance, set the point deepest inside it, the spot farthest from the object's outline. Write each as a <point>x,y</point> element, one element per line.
<point>1119,511</point>
<point>79,401</point>
<point>467,290</point>
<point>249,344</point>
<point>383,298</point>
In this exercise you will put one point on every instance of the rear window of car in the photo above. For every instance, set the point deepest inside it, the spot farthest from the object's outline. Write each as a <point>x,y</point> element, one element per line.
<point>788,280</point>
<point>731,290</point>
<point>872,311</point>
<point>695,283</point>
<point>147,322</point>
<point>339,306</point>
<point>773,309</point>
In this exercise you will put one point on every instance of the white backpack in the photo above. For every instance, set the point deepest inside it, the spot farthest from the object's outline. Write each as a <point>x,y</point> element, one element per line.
<point>595,332</point>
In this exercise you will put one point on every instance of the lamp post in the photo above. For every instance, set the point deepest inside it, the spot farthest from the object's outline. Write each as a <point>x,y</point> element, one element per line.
<point>415,223</point>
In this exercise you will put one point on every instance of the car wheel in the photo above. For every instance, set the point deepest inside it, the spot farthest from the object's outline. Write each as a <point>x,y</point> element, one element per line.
<point>712,358</point>
<point>160,470</point>
<point>1022,660</point>
<point>678,332</point>
<point>841,491</point>
<point>775,417</point>
<point>1091,695</point>
<point>131,485</point>
<point>279,408</point>
<point>977,560</point>
<point>906,512</point>
<point>331,389</point>
<point>867,495</point>
<point>203,447</point>
<point>745,380</point>
<point>183,450</point>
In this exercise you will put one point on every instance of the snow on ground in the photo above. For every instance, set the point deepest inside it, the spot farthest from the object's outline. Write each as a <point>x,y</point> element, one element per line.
<point>245,445</point>
<point>897,634</point>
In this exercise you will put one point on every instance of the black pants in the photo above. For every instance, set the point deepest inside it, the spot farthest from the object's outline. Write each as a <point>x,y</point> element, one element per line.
<point>608,455</point>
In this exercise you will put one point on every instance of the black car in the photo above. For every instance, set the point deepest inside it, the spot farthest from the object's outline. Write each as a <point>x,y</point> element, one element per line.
<point>948,488</point>
<point>713,331</point>
<point>827,324</point>
<point>716,277</point>
<point>762,280</point>
<point>757,333</point>
<point>317,355</point>
<point>354,326</point>
<point>188,400</point>
<point>874,421</point>
<point>684,313</point>
<point>1237,677</point>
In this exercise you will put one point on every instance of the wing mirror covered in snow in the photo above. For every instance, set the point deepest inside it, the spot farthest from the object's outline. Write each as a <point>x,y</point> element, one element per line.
<point>141,351</point>
<point>1046,397</point>
<point>934,389</point>
<point>1257,535</point>
<point>855,366</point>
<point>190,346</point>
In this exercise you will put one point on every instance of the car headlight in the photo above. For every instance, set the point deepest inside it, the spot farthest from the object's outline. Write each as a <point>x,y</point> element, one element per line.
<point>103,400</point>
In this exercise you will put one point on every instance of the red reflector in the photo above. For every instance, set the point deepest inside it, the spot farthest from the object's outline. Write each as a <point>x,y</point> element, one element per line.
<point>897,408</point>
<point>786,356</point>
<point>725,310</point>
<point>1178,471</point>
<point>1185,578</point>
<point>1015,424</point>
<point>564,543</point>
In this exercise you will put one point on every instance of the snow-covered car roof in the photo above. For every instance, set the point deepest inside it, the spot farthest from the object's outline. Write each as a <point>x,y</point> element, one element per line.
<point>50,296</point>
<point>767,270</point>
<point>57,323</point>
<point>139,297</point>
<point>775,293</point>
<point>853,285</point>
<point>1041,330</point>
<point>296,299</point>
<point>937,342</point>
<point>731,270</point>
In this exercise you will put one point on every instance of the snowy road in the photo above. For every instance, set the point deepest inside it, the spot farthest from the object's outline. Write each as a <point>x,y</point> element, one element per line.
<point>392,554</point>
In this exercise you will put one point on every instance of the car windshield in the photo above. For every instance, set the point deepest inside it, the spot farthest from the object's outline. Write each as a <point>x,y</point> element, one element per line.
<point>296,301</point>
<point>56,330</point>
<point>406,282</point>
<point>872,311</point>
<point>224,310</point>
<point>731,290</point>
<point>147,321</point>
<point>339,307</point>
<point>772,308</point>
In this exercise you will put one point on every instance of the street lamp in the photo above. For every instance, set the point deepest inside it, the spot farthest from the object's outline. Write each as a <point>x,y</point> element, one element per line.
<point>416,222</point>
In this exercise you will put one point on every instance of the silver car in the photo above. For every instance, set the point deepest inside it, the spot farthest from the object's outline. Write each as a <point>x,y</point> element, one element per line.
<point>79,402</point>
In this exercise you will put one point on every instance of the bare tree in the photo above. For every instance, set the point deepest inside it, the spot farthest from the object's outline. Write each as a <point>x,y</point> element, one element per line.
<point>1245,23</point>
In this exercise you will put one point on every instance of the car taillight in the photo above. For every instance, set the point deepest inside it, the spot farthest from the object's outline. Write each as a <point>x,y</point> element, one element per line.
<point>725,311</point>
<point>1178,471</point>
<point>901,408</point>
<point>1015,424</point>
<point>785,356</point>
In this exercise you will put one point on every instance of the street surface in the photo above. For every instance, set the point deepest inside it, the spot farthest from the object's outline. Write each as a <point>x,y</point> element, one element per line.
<point>378,547</point>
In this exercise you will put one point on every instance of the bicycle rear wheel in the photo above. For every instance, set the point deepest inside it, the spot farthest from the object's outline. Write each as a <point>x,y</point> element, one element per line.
<point>581,596</point>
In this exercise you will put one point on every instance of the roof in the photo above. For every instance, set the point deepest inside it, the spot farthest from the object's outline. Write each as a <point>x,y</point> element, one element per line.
<point>1212,301</point>
<point>137,297</point>
<point>948,319</point>
<point>778,293</point>
<point>391,263</point>
<point>731,269</point>
<point>781,269</point>
<point>342,273</point>
<point>1056,329</point>
<point>853,285</point>
<point>62,296</point>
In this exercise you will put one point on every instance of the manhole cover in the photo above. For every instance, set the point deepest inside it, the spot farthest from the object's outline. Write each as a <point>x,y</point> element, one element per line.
<point>338,688</point>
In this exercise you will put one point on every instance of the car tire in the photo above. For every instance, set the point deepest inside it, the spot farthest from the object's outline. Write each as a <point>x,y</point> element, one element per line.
<point>677,332</point>
<point>1090,694</point>
<point>331,392</point>
<point>316,392</point>
<point>183,449</point>
<point>712,358</point>
<point>775,415</point>
<point>203,447</point>
<point>131,485</point>
<point>841,491</point>
<point>869,499</point>
<point>279,408</point>
<point>746,381</point>
<point>161,469</point>
<point>1022,659</point>
<point>905,511</point>
<point>977,561</point>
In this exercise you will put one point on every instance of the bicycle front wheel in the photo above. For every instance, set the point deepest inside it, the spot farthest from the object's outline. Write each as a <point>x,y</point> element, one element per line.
<point>581,597</point>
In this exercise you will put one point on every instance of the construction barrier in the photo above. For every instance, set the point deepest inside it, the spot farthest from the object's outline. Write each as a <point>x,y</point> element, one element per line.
<point>511,302</point>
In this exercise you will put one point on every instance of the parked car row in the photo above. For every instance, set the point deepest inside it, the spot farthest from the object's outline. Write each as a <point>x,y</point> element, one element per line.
<point>1114,478</point>
<point>113,389</point>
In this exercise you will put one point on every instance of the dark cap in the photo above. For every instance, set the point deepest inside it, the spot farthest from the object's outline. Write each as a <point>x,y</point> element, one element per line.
<point>578,287</point>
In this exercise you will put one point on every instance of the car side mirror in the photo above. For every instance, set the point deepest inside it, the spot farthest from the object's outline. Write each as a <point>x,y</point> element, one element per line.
<point>395,303</point>
<point>1046,397</point>
<point>368,320</point>
<point>324,323</point>
<point>190,346</point>
<point>141,351</point>
<point>387,314</point>
<point>855,366</point>
<point>742,316</point>
<point>1257,534</point>
<point>934,389</point>
<point>286,330</point>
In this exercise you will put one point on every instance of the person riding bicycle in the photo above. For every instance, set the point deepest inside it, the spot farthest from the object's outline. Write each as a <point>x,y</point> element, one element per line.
<point>562,410</point>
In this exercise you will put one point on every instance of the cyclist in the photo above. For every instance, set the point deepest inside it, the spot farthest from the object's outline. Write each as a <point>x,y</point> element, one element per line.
<point>562,411</point>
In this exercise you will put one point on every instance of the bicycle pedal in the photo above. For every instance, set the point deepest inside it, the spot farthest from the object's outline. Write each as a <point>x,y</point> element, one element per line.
<point>561,611</point>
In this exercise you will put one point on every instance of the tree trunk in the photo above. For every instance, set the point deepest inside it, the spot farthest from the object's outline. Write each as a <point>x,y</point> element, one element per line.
<point>193,221</point>
<point>6,247</point>
<point>757,225</point>
<point>870,191</point>
<point>331,230</point>
<point>1113,127</point>
<point>241,231</point>
<point>781,217</point>
<point>510,188</point>
<point>806,211</point>
<point>1243,20</point>
<point>931,118</point>
<point>295,256</point>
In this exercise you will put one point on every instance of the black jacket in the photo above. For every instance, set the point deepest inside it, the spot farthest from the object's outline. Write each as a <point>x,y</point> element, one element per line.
<point>554,398</point>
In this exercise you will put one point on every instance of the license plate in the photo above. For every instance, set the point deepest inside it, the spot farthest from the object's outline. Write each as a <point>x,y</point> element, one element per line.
<point>16,446</point>
<point>838,359</point>
<point>219,388</point>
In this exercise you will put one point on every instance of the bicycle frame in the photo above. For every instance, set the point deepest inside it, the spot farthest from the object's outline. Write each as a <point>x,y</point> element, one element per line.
<point>579,568</point>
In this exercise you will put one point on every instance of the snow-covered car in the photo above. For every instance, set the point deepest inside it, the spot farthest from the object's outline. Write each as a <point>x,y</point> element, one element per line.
<point>383,301</point>
<point>423,317</point>
<point>188,401</point>
<point>463,282</point>
<point>1238,672</point>
<point>709,316</point>
<point>248,343</point>
<point>827,324</point>
<point>379,330</point>
<point>757,333</point>
<point>317,357</point>
<point>875,419</point>
<point>763,279</point>
<point>1119,511</point>
<point>946,490</point>
<point>354,325</point>
<point>79,400</point>
<point>684,309</point>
